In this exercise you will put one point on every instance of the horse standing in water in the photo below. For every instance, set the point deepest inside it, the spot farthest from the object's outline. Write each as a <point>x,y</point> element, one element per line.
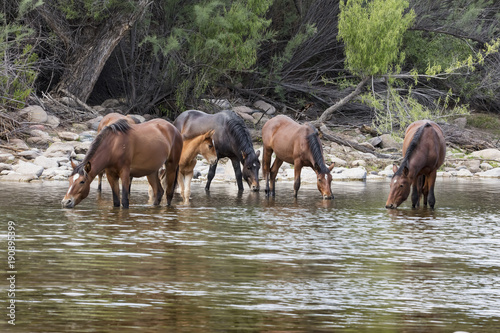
<point>295,144</point>
<point>424,150</point>
<point>126,151</point>
<point>202,144</point>
<point>231,139</point>
<point>105,121</point>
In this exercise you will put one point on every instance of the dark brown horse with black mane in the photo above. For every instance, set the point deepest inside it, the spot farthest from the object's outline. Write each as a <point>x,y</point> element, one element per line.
<point>126,151</point>
<point>424,150</point>
<point>295,144</point>
<point>231,139</point>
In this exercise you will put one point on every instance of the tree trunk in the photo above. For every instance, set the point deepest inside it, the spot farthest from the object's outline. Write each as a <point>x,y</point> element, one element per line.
<point>87,58</point>
<point>328,112</point>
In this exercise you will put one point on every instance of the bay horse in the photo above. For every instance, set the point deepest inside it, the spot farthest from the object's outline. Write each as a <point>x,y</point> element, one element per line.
<point>231,138</point>
<point>126,151</point>
<point>105,121</point>
<point>296,144</point>
<point>202,144</point>
<point>424,150</point>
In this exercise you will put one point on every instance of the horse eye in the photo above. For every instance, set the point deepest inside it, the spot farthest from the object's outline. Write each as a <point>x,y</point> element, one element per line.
<point>82,182</point>
<point>401,185</point>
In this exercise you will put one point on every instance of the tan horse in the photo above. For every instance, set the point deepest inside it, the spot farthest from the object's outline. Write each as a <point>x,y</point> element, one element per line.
<point>424,150</point>
<point>109,119</point>
<point>295,144</point>
<point>126,151</point>
<point>201,144</point>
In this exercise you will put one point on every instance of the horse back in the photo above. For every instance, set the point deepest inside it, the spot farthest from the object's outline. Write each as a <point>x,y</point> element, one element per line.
<point>431,143</point>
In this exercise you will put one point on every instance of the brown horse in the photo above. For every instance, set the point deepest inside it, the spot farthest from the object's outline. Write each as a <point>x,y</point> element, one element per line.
<point>108,120</point>
<point>126,151</point>
<point>424,149</point>
<point>295,144</point>
<point>201,144</point>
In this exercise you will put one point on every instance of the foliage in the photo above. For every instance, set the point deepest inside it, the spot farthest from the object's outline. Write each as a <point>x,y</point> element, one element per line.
<point>91,9</point>
<point>372,32</point>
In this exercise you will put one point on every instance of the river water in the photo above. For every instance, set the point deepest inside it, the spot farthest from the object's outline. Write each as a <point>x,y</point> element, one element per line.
<point>230,262</point>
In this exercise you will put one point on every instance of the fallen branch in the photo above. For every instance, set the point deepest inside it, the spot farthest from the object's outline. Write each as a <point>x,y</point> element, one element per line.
<point>79,102</point>
<point>10,148</point>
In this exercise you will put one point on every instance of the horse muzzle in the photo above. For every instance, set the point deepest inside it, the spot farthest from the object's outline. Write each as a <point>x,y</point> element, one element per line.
<point>328,196</point>
<point>255,188</point>
<point>68,203</point>
<point>391,206</point>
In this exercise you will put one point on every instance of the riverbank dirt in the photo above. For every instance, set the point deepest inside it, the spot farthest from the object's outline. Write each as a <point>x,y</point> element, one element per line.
<point>58,131</point>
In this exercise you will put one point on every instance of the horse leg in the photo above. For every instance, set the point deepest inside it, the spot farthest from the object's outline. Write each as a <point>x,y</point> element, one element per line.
<point>431,180</point>
<point>425,189</point>
<point>99,182</point>
<point>211,175</point>
<point>171,172</point>
<point>181,183</point>
<point>187,186</point>
<point>415,193</point>
<point>115,187</point>
<point>237,173</point>
<point>125,177</point>
<point>266,164</point>
<point>154,181</point>
<point>274,172</point>
<point>297,169</point>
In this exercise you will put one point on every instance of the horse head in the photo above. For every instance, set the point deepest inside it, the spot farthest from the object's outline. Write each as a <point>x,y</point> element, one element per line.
<point>324,182</point>
<point>400,187</point>
<point>79,185</point>
<point>251,167</point>
<point>207,148</point>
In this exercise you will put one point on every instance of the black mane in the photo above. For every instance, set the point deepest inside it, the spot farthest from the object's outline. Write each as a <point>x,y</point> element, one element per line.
<point>411,148</point>
<point>316,151</point>
<point>121,126</point>
<point>240,133</point>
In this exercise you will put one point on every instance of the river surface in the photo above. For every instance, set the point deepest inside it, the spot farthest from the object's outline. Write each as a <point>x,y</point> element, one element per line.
<point>246,263</point>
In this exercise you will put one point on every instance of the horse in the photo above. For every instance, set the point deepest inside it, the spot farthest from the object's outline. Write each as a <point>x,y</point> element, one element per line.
<point>105,121</point>
<point>202,144</point>
<point>231,139</point>
<point>298,145</point>
<point>424,150</point>
<point>126,151</point>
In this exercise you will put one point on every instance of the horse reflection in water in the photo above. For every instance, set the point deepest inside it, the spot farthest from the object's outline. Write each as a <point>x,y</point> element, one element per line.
<point>298,145</point>
<point>231,139</point>
<point>124,151</point>
<point>424,150</point>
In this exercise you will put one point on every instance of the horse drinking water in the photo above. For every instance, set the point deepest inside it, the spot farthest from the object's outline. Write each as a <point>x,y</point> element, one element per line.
<point>126,151</point>
<point>424,150</point>
<point>295,144</point>
<point>231,139</point>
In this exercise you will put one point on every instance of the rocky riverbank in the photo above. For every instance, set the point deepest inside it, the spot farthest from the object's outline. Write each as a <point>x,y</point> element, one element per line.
<point>45,154</point>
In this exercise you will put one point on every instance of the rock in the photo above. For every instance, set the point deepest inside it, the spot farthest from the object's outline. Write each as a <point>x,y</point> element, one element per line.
<point>87,136</point>
<point>59,149</point>
<point>490,154</point>
<point>349,174</point>
<point>29,154</point>
<point>99,109</point>
<point>6,158</point>
<point>388,171</point>
<point>82,147</point>
<point>39,133</point>
<point>367,145</point>
<point>485,166</point>
<point>39,141</point>
<point>110,103</point>
<point>78,127</point>
<point>68,136</point>
<point>389,142</point>
<point>266,107</point>
<point>338,161</point>
<point>53,121</point>
<point>68,101</point>
<point>17,177</point>
<point>473,165</point>
<point>493,173</point>
<point>4,166</point>
<point>46,162</point>
<point>93,124</point>
<point>356,163</point>
<point>138,117</point>
<point>463,173</point>
<point>259,117</point>
<point>243,109</point>
<point>222,103</point>
<point>26,168</point>
<point>18,143</point>
<point>244,116</point>
<point>34,113</point>
<point>460,122</point>
<point>375,142</point>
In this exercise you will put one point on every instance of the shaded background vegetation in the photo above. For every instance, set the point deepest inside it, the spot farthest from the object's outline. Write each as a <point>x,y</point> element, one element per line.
<point>165,56</point>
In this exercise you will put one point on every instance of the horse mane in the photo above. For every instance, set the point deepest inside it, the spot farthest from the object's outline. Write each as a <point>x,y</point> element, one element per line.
<point>121,126</point>
<point>240,133</point>
<point>316,151</point>
<point>411,148</point>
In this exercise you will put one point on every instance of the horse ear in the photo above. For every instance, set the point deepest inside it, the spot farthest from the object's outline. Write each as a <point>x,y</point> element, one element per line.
<point>406,171</point>
<point>210,134</point>
<point>257,153</point>
<point>244,155</point>
<point>73,165</point>
<point>331,166</point>
<point>394,168</point>
<point>87,167</point>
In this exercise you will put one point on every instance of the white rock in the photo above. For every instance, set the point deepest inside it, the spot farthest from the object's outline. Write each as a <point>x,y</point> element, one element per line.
<point>46,162</point>
<point>4,166</point>
<point>358,163</point>
<point>17,177</point>
<point>350,174</point>
<point>59,149</point>
<point>29,154</point>
<point>53,121</point>
<point>34,113</point>
<point>26,168</point>
<point>485,166</point>
<point>243,109</point>
<point>464,173</point>
<point>266,107</point>
<point>490,154</point>
<point>68,136</point>
<point>6,157</point>
<point>493,173</point>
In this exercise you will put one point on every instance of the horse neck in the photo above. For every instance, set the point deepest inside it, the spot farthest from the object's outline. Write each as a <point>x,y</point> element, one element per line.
<point>191,148</point>
<point>100,159</point>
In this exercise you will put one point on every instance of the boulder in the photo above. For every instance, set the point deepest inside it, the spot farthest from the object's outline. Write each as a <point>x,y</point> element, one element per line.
<point>29,154</point>
<point>244,116</point>
<point>389,142</point>
<point>68,136</point>
<point>266,107</point>
<point>26,168</point>
<point>243,109</point>
<point>460,122</point>
<point>493,173</point>
<point>138,117</point>
<point>46,162</point>
<point>39,133</point>
<point>375,142</point>
<point>463,173</point>
<point>110,103</point>
<point>18,143</point>
<point>18,177</point>
<point>485,166</point>
<point>34,113</point>
<point>349,174</point>
<point>93,124</point>
<point>473,165</point>
<point>388,171</point>
<point>53,121</point>
<point>59,149</point>
<point>490,154</point>
<point>4,166</point>
<point>356,163</point>
<point>6,157</point>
